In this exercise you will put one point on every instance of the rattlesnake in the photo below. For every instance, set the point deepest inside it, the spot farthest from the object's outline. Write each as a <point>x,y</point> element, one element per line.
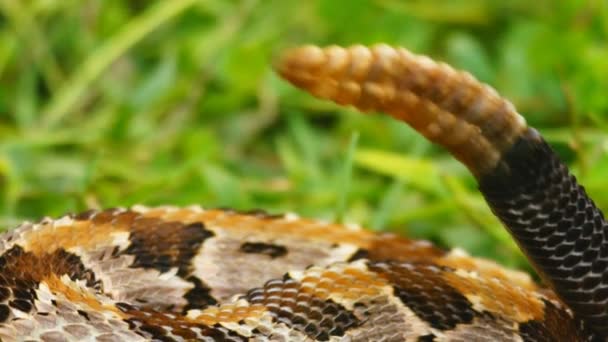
<point>174,274</point>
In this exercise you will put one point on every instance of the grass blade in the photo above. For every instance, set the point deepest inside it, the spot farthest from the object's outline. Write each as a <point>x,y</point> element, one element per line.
<point>67,97</point>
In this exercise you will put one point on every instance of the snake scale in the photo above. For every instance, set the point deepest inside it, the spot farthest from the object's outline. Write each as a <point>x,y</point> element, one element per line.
<point>183,274</point>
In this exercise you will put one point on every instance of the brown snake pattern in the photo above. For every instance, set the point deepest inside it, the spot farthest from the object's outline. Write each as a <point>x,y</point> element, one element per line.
<point>180,274</point>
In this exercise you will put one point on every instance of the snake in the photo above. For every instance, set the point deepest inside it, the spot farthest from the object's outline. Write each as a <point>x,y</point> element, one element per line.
<point>204,274</point>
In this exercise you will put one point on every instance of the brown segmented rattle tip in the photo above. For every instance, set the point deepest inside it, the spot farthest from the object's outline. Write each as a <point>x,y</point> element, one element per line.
<point>449,107</point>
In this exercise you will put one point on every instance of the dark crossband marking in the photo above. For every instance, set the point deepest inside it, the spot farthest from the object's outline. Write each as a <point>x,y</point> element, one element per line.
<point>164,245</point>
<point>423,289</point>
<point>299,309</point>
<point>272,250</point>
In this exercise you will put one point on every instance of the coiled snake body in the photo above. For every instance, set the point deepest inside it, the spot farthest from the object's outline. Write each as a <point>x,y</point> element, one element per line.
<point>176,274</point>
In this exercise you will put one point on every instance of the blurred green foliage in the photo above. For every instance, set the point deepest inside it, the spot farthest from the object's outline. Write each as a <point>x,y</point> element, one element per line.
<point>112,103</point>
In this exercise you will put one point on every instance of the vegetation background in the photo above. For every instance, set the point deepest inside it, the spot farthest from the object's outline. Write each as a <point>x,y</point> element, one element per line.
<point>112,103</point>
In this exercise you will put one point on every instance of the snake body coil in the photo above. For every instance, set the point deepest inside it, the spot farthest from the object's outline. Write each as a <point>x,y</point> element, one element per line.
<point>176,274</point>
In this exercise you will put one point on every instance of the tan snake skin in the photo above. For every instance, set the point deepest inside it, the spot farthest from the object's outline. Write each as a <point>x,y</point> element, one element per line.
<point>184,274</point>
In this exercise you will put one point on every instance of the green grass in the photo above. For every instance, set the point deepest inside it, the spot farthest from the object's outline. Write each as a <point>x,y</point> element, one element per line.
<point>112,103</point>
